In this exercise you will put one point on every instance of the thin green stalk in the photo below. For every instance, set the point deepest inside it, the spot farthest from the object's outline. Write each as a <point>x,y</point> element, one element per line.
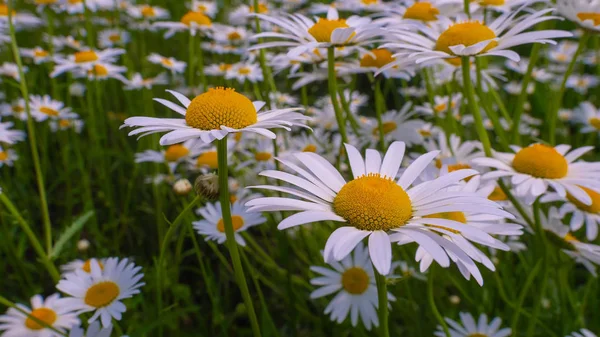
<point>35,243</point>
<point>561,93</point>
<point>191,61</point>
<point>333,92</point>
<point>229,233</point>
<point>267,74</point>
<point>520,106</point>
<point>541,235</point>
<point>379,108</point>
<point>431,300</point>
<point>346,106</point>
<point>466,4</point>
<point>470,93</point>
<point>31,133</point>
<point>10,304</point>
<point>515,202</point>
<point>382,295</point>
<point>500,104</point>
<point>521,299</point>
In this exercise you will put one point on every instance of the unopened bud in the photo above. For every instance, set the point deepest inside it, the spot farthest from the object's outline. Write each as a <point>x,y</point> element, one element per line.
<point>83,245</point>
<point>207,186</point>
<point>454,299</point>
<point>182,187</point>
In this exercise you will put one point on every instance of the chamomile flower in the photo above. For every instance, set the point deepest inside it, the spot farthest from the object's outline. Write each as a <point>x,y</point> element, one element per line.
<point>396,125</point>
<point>11,70</point>
<point>244,71</point>
<point>442,104</point>
<point>173,155</point>
<point>109,38</point>
<point>585,13</point>
<point>78,264</point>
<point>102,290</point>
<point>175,66</point>
<point>282,99</point>
<point>85,60</point>
<point>71,123</point>
<point>138,82</point>
<point>15,109</point>
<point>230,35</point>
<point>374,205</point>
<point>499,6</point>
<point>213,227</point>
<point>20,19</point>
<point>53,311</point>
<point>535,168</point>
<point>147,12</point>
<point>102,71</point>
<point>208,8</point>
<point>44,107</point>
<point>472,37</point>
<point>7,157</point>
<point>581,83</point>
<point>37,54</point>
<point>589,116</point>
<point>303,34</point>
<point>468,327</point>
<point>194,22</point>
<point>77,6</point>
<point>9,136</point>
<point>241,15</point>
<point>213,115</point>
<point>353,281</point>
<point>94,330</point>
<point>582,333</point>
<point>581,214</point>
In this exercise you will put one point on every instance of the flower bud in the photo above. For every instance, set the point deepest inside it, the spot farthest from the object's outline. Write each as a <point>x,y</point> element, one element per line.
<point>182,187</point>
<point>207,186</point>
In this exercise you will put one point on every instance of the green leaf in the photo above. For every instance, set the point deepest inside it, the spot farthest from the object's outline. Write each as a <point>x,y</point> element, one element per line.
<point>68,234</point>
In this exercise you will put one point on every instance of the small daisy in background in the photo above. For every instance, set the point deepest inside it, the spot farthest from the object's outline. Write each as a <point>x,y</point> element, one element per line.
<point>85,60</point>
<point>109,38</point>
<point>588,115</point>
<point>582,12</point>
<point>37,54</point>
<point>10,136</point>
<point>7,156</point>
<point>44,107</point>
<point>138,82</point>
<point>468,327</point>
<point>169,63</point>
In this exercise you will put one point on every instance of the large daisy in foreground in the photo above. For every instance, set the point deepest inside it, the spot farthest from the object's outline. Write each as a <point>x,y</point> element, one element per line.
<point>376,205</point>
<point>214,114</point>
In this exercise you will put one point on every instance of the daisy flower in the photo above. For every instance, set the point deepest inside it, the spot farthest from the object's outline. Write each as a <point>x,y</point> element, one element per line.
<point>581,83</point>
<point>77,6</point>
<point>37,54</point>
<point>454,154</point>
<point>581,214</point>
<point>15,109</point>
<point>11,70</point>
<point>538,166</point>
<point>175,66</point>
<point>260,155</point>
<point>102,71</point>
<point>138,82</point>
<point>499,6</point>
<point>109,38</point>
<point>582,333</point>
<point>53,311</point>
<point>283,99</point>
<point>172,155</point>
<point>7,157</point>
<point>374,205</point>
<point>214,114</point>
<point>44,107</point>
<point>102,289</point>
<point>209,8</point>
<point>468,327</point>
<point>589,116</point>
<point>194,22</point>
<point>585,13</point>
<point>244,71</point>
<point>85,60</point>
<point>353,281</point>
<point>86,265</point>
<point>396,125</point>
<point>441,105</point>
<point>71,123</point>
<point>20,19</point>
<point>471,37</point>
<point>147,12</point>
<point>241,15</point>
<point>303,34</point>
<point>94,330</point>
<point>230,35</point>
<point>213,226</point>
<point>10,136</point>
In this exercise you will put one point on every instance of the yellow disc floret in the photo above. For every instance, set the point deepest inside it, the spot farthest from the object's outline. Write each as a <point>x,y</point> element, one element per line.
<point>594,207</point>
<point>196,17</point>
<point>85,56</point>
<point>220,106</point>
<point>102,294</point>
<point>176,152</point>
<point>382,57</point>
<point>263,156</point>
<point>236,220</point>
<point>467,34</point>
<point>387,128</point>
<point>49,111</point>
<point>422,11</point>
<point>208,159</point>
<point>372,202</point>
<point>595,122</point>
<point>310,148</point>
<point>98,70</point>
<point>497,195</point>
<point>355,280</point>
<point>322,30</point>
<point>3,156</point>
<point>583,16</point>
<point>490,2</point>
<point>45,315</point>
<point>541,161</point>
<point>4,10</point>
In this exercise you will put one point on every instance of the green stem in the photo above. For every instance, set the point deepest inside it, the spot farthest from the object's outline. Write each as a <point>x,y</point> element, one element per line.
<point>333,92</point>
<point>540,233</point>
<point>466,4</point>
<point>191,61</point>
<point>32,137</point>
<point>431,300</point>
<point>470,93</point>
<point>230,234</point>
<point>533,57</point>
<point>10,304</point>
<point>379,108</point>
<point>382,295</point>
<point>267,75</point>
<point>523,294</point>
<point>561,93</point>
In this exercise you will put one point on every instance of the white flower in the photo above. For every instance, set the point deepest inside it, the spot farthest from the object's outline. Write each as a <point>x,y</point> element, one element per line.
<point>582,333</point>
<point>44,107</point>
<point>138,82</point>
<point>175,66</point>
<point>244,71</point>
<point>85,60</point>
<point>589,116</point>
<point>192,21</point>
<point>10,136</point>
<point>583,12</point>
<point>468,327</point>
<point>7,157</point>
<point>93,330</point>
<point>581,214</point>
<point>113,37</point>
<point>396,125</point>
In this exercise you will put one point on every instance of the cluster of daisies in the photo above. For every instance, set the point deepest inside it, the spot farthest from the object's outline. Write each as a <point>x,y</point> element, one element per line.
<point>93,289</point>
<point>407,178</point>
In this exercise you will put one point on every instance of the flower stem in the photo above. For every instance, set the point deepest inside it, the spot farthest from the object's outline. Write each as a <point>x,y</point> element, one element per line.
<point>32,137</point>
<point>191,61</point>
<point>520,106</point>
<point>379,107</point>
<point>432,304</point>
<point>333,92</point>
<point>470,93</point>
<point>382,295</point>
<point>229,233</point>
<point>561,93</point>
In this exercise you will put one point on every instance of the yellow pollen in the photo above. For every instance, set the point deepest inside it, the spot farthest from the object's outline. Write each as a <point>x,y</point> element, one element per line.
<point>244,71</point>
<point>372,202</point>
<point>85,56</point>
<point>102,294</point>
<point>220,107</point>
<point>310,148</point>
<point>262,8</point>
<point>454,216</point>
<point>201,8</point>
<point>148,11</point>
<point>234,36</point>
<point>497,195</point>
<point>48,111</point>
<point>3,156</point>
<point>425,133</point>
<point>382,57</point>
<point>440,107</point>
<point>387,128</point>
<point>114,37</point>
<point>73,2</point>
<point>166,62</point>
<point>467,34</point>
<point>98,70</point>
<point>458,166</point>
<point>236,220</point>
<point>595,122</point>
<point>224,66</point>
<point>322,30</point>
<point>262,156</point>
<point>455,61</point>
<point>208,159</point>
<point>45,315</point>
<point>176,152</point>
<point>4,10</point>
<point>40,53</point>
<point>18,109</point>
<point>196,17</point>
<point>583,16</point>
<point>594,207</point>
<point>422,11</point>
<point>87,266</point>
<point>64,123</point>
<point>355,280</point>
<point>541,161</point>
<point>233,198</point>
<point>570,238</point>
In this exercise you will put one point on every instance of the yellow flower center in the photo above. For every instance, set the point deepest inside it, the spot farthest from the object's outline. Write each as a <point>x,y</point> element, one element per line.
<point>74,2</point>
<point>3,156</point>
<point>224,66</point>
<point>491,2</point>
<point>98,70</point>
<point>262,8</point>
<point>310,148</point>
<point>102,294</point>
<point>220,106</point>
<point>148,11</point>
<point>262,156</point>
<point>382,57</point>
<point>45,315</point>
<point>45,2</point>
<point>63,123</point>
<point>454,216</point>
<point>233,198</point>
<point>467,34</point>
<point>244,71</point>
<point>595,122</point>
<point>48,111</point>
<point>369,2</point>
<point>387,128</point>
<point>355,280</point>
<point>114,37</point>
<point>85,56</point>
<point>166,62</point>
<point>197,17</point>
<point>458,166</point>
<point>541,161</point>
<point>583,16</point>
<point>477,334</point>
<point>422,11</point>
<point>18,109</point>
<point>40,53</point>
<point>234,36</point>
<point>372,202</point>
<point>570,238</point>
<point>87,266</point>
<point>425,133</point>
<point>236,220</point>
<point>594,207</point>
<point>4,10</point>
<point>322,30</point>
<point>208,159</point>
<point>176,152</point>
<point>497,195</point>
